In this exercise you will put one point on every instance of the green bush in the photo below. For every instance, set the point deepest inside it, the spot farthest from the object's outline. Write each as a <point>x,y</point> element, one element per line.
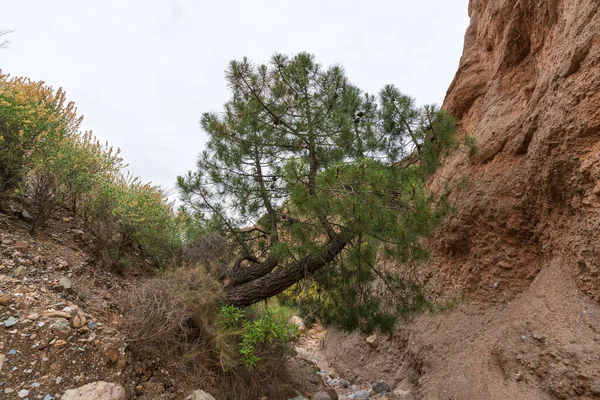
<point>45,156</point>
<point>266,336</point>
<point>32,116</point>
<point>125,214</point>
<point>63,171</point>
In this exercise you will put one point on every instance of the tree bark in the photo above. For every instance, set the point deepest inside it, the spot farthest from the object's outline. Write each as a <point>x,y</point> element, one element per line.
<point>276,281</point>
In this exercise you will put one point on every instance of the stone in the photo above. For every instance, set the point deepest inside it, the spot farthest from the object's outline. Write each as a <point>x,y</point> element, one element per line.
<point>5,299</point>
<point>200,395</point>
<point>112,353</point>
<point>57,314</point>
<point>10,322</point>
<point>2,358</point>
<point>373,341</point>
<point>19,271</point>
<point>360,395</point>
<point>20,245</point>
<point>595,388</point>
<point>298,322</point>
<point>78,319</point>
<point>331,392</point>
<point>60,327</point>
<point>322,396</point>
<point>96,391</point>
<point>23,393</point>
<point>380,387</point>
<point>33,316</point>
<point>505,265</point>
<point>60,344</point>
<point>299,397</point>
<point>65,283</point>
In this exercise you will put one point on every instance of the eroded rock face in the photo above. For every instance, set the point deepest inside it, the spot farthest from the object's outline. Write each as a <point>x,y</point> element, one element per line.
<point>523,242</point>
<point>96,391</point>
<point>528,90</point>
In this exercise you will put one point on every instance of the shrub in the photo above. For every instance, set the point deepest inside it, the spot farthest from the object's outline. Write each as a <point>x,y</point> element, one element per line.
<point>125,214</point>
<point>266,336</point>
<point>62,172</point>
<point>32,116</point>
<point>179,320</point>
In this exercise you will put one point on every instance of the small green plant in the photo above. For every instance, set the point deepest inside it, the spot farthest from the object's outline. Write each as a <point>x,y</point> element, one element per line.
<point>231,317</point>
<point>262,337</point>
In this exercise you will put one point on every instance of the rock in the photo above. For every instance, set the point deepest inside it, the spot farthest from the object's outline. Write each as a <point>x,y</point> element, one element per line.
<point>373,341</point>
<point>60,327</point>
<point>332,393</point>
<point>595,388</point>
<point>401,393</point>
<point>20,245</point>
<point>380,387</point>
<point>112,353</point>
<point>10,322</point>
<point>5,299</point>
<point>23,393</point>
<point>2,358</point>
<point>360,395</point>
<point>298,322</point>
<point>78,319</point>
<point>92,325</point>
<point>96,391</point>
<point>60,344</point>
<point>519,376</point>
<point>65,283</point>
<point>57,314</point>
<point>33,316</point>
<point>19,271</point>
<point>322,396</point>
<point>505,265</point>
<point>200,395</point>
<point>299,397</point>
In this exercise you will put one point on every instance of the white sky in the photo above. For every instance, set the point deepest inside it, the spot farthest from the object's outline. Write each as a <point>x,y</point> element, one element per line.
<point>142,72</point>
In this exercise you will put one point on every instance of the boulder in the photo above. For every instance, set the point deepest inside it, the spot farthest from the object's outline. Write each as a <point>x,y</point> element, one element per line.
<point>96,391</point>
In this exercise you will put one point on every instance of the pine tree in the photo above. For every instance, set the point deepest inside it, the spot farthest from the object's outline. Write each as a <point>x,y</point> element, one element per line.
<point>310,177</point>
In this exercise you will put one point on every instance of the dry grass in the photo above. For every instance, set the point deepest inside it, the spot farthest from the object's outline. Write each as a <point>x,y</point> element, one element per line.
<point>176,319</point>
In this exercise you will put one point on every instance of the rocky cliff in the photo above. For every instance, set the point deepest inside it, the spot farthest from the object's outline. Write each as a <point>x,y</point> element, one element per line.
<point>523,245</point>
<point>528,90</point>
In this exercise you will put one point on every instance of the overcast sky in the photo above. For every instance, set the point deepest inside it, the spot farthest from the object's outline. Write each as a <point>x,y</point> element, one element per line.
<point>142,72</point>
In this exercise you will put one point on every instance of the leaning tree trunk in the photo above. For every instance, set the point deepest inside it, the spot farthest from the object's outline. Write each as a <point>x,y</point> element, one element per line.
<point>249,285</point>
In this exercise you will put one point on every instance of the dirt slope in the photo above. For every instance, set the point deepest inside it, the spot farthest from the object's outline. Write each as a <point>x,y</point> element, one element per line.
<point>523,245</point>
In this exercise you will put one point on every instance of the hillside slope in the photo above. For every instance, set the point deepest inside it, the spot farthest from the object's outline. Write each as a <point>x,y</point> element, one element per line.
<point>523,243</point>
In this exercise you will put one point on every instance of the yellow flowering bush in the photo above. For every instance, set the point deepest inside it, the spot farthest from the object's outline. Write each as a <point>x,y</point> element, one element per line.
<point>45,156</point>
<point>32,116</point>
